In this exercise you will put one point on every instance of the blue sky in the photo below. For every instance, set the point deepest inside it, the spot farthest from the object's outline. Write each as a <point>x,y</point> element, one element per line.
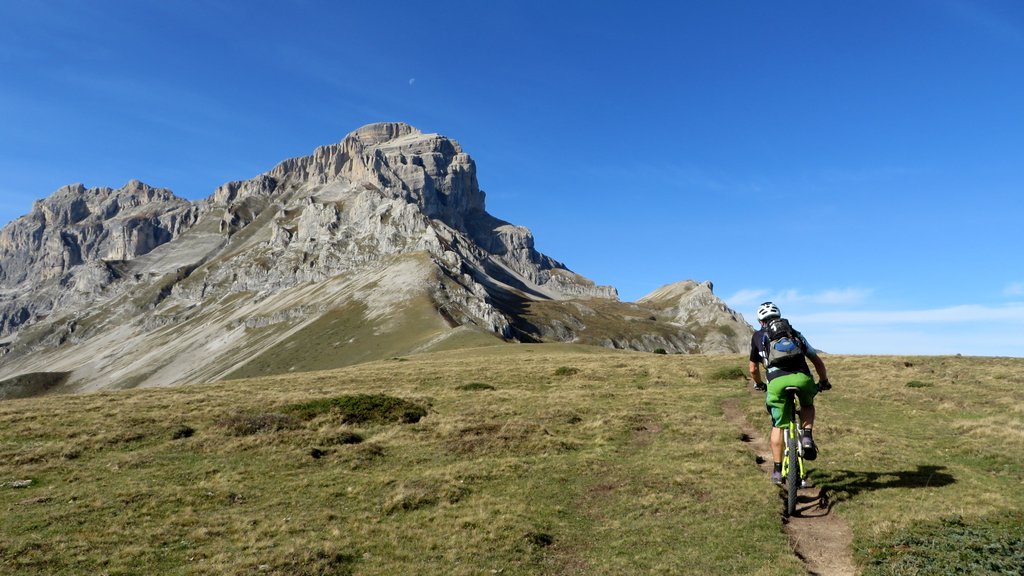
<point>860,163</point>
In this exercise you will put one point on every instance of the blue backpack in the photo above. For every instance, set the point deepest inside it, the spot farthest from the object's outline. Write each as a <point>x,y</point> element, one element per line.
<point>784,347</point>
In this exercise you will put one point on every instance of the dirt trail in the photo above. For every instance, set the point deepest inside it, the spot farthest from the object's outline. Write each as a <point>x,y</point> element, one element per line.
<point>818,537</point>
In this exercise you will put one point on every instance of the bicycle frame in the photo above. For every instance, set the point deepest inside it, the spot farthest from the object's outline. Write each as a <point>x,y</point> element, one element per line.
<point>792,455</point>
<point>788,433</point>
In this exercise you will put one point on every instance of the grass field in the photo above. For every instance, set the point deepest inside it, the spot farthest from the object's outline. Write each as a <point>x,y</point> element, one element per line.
<point>517,459</point>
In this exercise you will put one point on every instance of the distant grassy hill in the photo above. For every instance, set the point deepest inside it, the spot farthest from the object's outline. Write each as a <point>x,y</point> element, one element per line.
<point>526,459</point>
<point>31,384</point>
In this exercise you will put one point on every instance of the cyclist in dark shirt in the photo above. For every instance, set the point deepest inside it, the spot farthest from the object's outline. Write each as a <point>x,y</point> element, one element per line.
<point>795,374</point>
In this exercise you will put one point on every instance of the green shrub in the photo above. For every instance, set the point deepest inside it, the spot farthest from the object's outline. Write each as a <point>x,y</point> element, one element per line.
<point>540,539</point>
<point>992,545</point>
<point>360,409</point>
<point>348,438</point>
<point>249,424</point>
<point>476,386</point>
<point>728,373</point>
<point>660,351</point>
<point>566,371</point>
<point>182,431</point>
<point>918,384</point>
<point>315,563</point>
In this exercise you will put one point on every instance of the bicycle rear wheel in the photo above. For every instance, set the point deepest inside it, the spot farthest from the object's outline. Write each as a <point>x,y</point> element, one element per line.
<point>793,475</point>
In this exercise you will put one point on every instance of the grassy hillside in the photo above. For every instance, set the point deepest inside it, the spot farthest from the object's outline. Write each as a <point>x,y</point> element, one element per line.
<point>517,459</point>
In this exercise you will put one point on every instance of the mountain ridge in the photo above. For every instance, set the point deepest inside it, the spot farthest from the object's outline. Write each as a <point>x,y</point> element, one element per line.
<point>241,273</point>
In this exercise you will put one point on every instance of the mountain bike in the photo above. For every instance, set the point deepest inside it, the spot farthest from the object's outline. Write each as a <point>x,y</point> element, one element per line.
<point>794,473</point>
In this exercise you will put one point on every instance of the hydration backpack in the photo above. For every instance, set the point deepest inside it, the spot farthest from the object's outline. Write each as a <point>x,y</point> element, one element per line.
<point>785,346</point>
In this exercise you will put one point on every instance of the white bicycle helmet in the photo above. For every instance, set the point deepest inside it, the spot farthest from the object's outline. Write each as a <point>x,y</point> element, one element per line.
<point>768,310</point>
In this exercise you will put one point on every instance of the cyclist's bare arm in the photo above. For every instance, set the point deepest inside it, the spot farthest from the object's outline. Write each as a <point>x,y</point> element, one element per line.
<point>819,367</point>
<point>755,373</point>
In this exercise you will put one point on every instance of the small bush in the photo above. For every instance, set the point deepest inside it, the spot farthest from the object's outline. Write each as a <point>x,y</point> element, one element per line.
<point>993,545</point>
<point>660,351</point>
<point>182,431</point>
<point>918,384</point>
<point>476,386</point>
<point>360,409</point>
<point>366,454</point>
<point>348,438</point>
<point>250,424</point>
<point>125,437</point>
<point>540,539</point>
<point>566,371</point>
<point>728,373</point>
<point>313,563</point>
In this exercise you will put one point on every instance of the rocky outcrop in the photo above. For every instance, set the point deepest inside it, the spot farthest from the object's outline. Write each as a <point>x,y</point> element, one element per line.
<point>694,306</point>
<point>77,225</point>
<point>681,318</point>
<point>58,253</point>
<point>262,261</point>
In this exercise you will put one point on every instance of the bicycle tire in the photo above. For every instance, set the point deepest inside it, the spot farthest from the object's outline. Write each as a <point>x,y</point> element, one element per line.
<point>793,475</point>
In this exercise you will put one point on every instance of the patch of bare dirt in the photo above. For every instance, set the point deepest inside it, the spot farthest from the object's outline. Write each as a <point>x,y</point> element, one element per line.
<point>819,538</point>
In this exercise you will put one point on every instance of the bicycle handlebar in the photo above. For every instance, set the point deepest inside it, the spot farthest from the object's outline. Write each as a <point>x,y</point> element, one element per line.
<point>822,386</point>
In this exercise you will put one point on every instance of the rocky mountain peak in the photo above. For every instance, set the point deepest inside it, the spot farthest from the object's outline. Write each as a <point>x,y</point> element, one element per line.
<point>380,132</point>
<point>74,203</point>
<point>429,170</point>
<point>674,292</point>
<point>691,303</point>
<point>77,224</point>
<point>417,175</point>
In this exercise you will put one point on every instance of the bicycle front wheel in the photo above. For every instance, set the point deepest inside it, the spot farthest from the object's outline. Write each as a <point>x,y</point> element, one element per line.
<point>793,475</point>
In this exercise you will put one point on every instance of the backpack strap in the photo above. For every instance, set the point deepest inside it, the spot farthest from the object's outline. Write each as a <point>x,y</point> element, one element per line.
<point>800,341</point>
<point>765,343</point>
